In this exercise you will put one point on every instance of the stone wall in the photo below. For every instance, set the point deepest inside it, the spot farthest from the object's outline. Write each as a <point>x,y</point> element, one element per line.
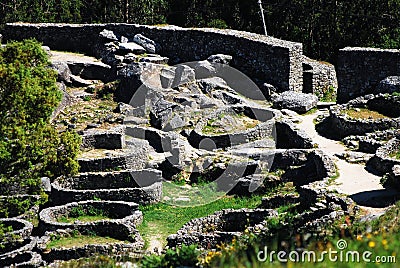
<point>318,77</point>
<point>343,125</point>
<point>383,162</point>
<point>359,70</point>
<point>264,59</point>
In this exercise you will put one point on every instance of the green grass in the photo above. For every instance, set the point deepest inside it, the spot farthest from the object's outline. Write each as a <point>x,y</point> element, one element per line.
<point>80,240</point>
<point>312,111</point>
<point>363,113</point>
<point>328,94</point>
<point>85,218</point>
<point>83,214</point>
<point>163,219</point>
<point>395,154</point>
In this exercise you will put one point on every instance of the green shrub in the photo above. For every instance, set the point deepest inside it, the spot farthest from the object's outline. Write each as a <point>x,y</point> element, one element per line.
<point>184,256</point>
<point>30,147</point>
<point>217,23</point>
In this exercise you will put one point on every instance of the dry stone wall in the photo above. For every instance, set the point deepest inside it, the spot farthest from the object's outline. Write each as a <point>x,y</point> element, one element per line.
<point>264,59</point>
<point>359,70</point>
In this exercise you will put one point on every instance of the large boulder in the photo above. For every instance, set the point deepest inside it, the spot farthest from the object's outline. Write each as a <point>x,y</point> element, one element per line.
<point>389,85</point>
<point>145,42</point>
<point>63,71</point>
<point>220,58</point>
<point>136,74</point>
<point>107,35</point>
<point>298,102</point>
<point>130,47</point>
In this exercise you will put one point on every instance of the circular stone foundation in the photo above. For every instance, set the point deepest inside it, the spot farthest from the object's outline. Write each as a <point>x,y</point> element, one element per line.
<point>27,259</point>
<point>364,115</point>
<point>94,216</point>
<point>18,246</point>
<point>64,245</point>
<point>20,229</point>
<point>115,186</point>
<point>385,157</point>
<point>232,126</point>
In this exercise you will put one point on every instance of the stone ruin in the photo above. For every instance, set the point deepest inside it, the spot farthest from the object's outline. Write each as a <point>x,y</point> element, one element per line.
<point>169,116</point>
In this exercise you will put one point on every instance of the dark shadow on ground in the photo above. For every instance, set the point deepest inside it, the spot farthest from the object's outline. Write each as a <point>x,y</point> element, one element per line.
<point>376,198</point>
<point>325,130</point>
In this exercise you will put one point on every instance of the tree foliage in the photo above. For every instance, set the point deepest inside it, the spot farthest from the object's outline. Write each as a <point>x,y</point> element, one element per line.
<point>30,147</point>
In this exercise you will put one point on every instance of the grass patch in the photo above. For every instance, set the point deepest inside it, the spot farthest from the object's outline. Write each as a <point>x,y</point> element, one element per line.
<point>223,123</point>
<point>363,113</point>
<point>163,219</point>
<point>83,214</point>
<point>80,240</point>
<point>312,111</point>
<point>66,219</point>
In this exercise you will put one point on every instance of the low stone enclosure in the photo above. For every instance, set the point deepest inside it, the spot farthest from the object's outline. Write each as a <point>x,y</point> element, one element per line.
<point>260,127</point>
<point>385,159</point>
<point>382,113</point>
<point>16,246</point>
<point>128,241</point>
<point>114,213</point>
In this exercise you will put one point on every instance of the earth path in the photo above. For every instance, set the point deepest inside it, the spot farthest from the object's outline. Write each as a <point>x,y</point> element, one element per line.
<point>353,180</point>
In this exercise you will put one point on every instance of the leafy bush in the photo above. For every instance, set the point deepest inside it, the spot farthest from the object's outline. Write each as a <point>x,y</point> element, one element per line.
<point>30,147</point>
<point>184,256</point>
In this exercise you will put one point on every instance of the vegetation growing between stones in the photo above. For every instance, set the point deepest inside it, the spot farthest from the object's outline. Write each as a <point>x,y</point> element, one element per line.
<point>363,113</point>
<point>30,146</point>
<point>328,94</point>
<point>395,154</point>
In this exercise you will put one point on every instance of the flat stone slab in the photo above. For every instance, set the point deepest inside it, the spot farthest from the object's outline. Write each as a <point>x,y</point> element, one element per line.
<point>84,66</point>
<point>130,47</point>
<point>298,102</point>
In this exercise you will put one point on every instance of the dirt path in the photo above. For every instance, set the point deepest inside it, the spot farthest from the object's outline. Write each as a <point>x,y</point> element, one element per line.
<point>354,180</point>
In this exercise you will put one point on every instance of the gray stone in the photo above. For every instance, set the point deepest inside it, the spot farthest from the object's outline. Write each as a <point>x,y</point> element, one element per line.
<point>208,85</point>
<point>63,71</point>
<point>298,102</point>
<point>157,59</point>
<point>268,89</point>
<point>145,42</point>
<point>77,81</point>
<point>46,184</point>
<point>91,70</point>
<point>183,75</point>
<point>108,35</point>
<point>124,39</point>
<point>220,58</point>
<point>167,77</point>
<point>125,48</point>
<point>204,69</point>
<point>389,85</point>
